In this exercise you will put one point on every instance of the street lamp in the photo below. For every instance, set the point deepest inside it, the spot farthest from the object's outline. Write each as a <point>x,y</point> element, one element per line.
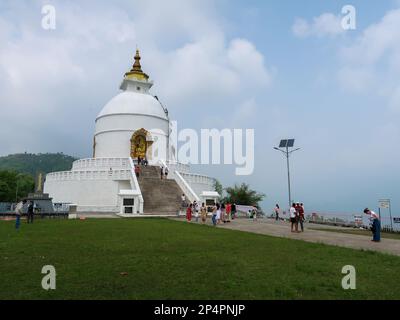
<point>16,189</point>
<point>284,146</point>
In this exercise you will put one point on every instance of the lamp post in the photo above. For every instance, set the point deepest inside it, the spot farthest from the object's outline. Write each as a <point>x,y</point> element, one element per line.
<point>284,148</point>
<point>16,189</point>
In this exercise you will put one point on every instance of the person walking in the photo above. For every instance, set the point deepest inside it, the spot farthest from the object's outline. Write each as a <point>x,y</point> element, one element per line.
<point>293,219</point>
<point>376,225</point>
<point>189,212</point>
<point>18,212</point>
<point>277,209</point>
<point>137,171</point>
<point>203,213</point>
<point>30,212</point>
<point>166,171</point>
<point>162,172</point>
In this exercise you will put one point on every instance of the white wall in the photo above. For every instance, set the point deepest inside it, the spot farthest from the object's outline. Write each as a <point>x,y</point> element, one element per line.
<point>94,193</point>
<point>114,132</point>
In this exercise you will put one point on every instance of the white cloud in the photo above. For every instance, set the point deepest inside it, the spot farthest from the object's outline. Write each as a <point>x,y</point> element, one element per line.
<point>327,24</point>
<point>53,80</point>
<point>372,62</point>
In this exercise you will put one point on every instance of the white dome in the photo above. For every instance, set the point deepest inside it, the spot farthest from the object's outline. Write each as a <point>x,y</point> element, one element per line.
<point>130,102</point>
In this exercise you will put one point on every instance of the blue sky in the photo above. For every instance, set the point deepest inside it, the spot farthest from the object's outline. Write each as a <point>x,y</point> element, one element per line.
<point>223,64</point>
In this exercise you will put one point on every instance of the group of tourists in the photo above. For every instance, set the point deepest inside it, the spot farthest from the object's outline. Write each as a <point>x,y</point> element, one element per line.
<point>164,172</point>
<point>297,217</point>
<point>140,162</point>
<point>19,210</point>
<point>220,213</point>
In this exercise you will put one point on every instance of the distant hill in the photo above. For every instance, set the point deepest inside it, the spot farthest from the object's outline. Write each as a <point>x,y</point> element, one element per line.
<point>33,163</point>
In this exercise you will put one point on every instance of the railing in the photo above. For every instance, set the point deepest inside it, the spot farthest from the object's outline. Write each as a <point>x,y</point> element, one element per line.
<point>92,163</point>
<point>176,166</point>
<point>187,190</point>
<point>89,175</point>
<point>198,178</point>
<point>135,185</point>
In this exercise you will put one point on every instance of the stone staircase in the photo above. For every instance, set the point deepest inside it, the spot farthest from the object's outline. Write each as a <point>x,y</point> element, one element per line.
<point>161,197</point>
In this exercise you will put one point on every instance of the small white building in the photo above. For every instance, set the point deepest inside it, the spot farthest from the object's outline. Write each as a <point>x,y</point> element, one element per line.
<point>132,125</point>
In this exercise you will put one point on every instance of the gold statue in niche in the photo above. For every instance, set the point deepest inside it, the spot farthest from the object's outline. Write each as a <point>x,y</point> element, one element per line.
<point>139,144</point>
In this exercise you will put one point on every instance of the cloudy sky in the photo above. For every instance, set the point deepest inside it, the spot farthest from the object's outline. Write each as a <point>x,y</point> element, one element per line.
<point>284,68</point>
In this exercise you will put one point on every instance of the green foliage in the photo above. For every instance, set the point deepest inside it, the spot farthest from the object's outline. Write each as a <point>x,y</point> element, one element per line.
<point>243,195</point>
<point>218,187</point>
<point>14,184</point>
<point>33,163</point>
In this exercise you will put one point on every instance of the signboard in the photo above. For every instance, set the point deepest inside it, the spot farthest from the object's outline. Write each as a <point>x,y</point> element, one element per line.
<point>396,220</point>
<point>358,220</point>
<point>384,204</point>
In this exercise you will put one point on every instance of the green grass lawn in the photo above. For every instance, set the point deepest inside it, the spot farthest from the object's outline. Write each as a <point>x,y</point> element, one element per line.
<point>167,259</point>
<point>386,235</point>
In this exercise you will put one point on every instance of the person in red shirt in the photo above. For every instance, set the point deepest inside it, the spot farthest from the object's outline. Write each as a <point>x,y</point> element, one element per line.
<point>137,171</point>
<point>300,211</point>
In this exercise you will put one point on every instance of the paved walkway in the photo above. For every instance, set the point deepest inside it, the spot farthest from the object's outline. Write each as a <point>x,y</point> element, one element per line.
<point>282,229</point>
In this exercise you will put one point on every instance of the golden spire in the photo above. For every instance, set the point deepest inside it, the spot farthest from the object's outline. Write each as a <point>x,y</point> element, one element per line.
<point>136,72</point>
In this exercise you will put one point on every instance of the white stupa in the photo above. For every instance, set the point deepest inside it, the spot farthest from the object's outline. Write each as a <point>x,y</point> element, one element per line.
<point>132,125</point>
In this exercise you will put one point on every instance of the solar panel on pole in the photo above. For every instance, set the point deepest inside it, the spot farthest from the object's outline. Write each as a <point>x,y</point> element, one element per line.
<point>283,144</point>
<point>290,143</point>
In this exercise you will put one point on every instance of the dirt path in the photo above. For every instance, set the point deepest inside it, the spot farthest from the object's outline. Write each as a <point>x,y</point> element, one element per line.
<point>282,229</point>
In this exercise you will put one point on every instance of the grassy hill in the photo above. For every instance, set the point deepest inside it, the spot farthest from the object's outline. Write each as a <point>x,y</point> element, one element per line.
<point>32,163</point>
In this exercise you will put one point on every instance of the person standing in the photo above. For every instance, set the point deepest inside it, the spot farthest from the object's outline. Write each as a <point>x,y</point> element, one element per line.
<point>18,211</point>
<point>277,209</point>
<point>300,216</point>
<point>30,212</point>
<point>376,225</point>
<point>218,214</point>
<point>162,172</point>
<point>223,213</point>
<point>166,171</point>
<point>214,214</point>
<point>233,211</point>
<point>196,210</point>
<point>293,219</point>
<point>228,208</point>
<point>189,213</point>
<point>203,213</point>
<point>255,214</point>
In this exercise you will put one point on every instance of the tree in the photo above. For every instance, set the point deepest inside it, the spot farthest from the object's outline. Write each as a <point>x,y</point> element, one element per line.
<point>13,183</point>
<point>243,195</point>
<point>218,187</point>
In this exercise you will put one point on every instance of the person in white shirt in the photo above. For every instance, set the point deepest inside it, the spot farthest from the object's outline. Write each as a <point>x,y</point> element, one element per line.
<point>293,219</point>
<point>18,211</point>
<point>376,225</point>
